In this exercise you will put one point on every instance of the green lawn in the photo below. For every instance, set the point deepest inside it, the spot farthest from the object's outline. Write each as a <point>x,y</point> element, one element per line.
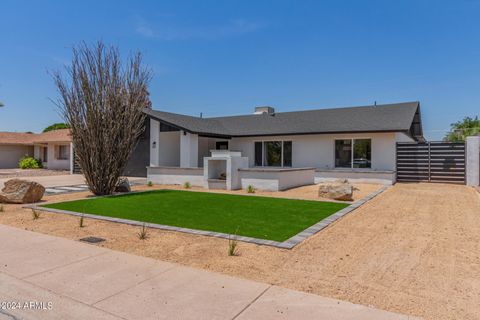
<point>258,217</point>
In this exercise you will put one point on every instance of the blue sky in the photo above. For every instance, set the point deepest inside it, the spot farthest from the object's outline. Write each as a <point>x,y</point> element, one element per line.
<point>225,57</point>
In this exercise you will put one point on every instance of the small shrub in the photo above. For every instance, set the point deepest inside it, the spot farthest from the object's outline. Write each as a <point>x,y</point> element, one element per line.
<point>29,163</point>
<point>143,234</point>
<point>150,184</point>
<point>80,222</point>
<point>232,245</point>
<point>187,185</point>
<point>250,189</point>
<point>35,214</point>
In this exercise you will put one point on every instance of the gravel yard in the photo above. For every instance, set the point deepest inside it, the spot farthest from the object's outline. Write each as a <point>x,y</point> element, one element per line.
<point>414,249</point>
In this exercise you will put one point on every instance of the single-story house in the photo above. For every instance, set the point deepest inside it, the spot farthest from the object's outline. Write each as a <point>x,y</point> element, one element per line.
<point>53,148</point>
<point>278,150</point>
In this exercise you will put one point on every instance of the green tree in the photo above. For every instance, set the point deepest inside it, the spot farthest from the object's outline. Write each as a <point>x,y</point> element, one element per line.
<point>56,126</point>
<point>462,129</point>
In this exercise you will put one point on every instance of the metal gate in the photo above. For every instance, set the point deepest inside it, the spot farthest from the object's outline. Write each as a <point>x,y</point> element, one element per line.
<point>431,162</point>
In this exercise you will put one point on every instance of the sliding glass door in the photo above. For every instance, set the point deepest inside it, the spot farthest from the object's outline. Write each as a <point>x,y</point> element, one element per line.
<point>273,153</point>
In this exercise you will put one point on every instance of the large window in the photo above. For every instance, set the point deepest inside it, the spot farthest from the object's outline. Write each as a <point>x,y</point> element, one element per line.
<point>353,153</point>
<point>62,153</point>
<point>273,153</point>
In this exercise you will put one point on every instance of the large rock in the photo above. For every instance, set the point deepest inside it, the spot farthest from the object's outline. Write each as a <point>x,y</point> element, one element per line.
<point>123,185</point>
<point>21,191</point>
<point>340,190</point>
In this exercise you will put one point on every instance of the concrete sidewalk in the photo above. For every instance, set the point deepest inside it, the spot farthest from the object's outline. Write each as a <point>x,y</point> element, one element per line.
<point>64,279</point>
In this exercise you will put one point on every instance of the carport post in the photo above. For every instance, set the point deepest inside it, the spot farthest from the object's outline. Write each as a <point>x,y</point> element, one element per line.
<point>472,169</point>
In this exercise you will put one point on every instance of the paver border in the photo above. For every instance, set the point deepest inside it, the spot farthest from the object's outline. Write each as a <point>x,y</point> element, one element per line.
<point>287,244</point>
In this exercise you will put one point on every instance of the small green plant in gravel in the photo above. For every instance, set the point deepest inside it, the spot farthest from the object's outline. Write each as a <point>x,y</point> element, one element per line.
<point>187,185</point>
<point>35,214</point>
<point>250,189</point>
<point>143,234</point>
<point>233,244</point>
<point>150,184</point>
<point>81,222</point>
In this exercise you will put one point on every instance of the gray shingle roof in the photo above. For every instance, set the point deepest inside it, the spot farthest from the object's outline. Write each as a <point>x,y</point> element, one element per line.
<point>379,118</point>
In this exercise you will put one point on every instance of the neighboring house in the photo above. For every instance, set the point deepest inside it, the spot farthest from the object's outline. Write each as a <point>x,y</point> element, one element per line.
<point>279,150</point>
<point>53,148</point>
<point>13,146</point>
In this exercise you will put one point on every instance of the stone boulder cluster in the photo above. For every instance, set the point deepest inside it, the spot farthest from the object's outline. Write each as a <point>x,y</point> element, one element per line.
<point>21,191</point>
<point>337,190</point>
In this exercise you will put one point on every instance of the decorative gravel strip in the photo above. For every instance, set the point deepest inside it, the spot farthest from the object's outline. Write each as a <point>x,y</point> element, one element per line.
<point>288,244</point>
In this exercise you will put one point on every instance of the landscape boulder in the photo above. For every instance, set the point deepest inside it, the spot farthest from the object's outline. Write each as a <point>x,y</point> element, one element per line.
<point>21,191</point>
<point>123,185</point>
<point>339,190</point>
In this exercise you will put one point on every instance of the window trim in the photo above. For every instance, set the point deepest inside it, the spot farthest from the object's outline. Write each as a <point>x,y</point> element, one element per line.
<point>263,152</point>
<point>352,152</point>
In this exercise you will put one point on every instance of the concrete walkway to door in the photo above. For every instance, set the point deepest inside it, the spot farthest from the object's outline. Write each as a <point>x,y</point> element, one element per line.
<point>64,279</point>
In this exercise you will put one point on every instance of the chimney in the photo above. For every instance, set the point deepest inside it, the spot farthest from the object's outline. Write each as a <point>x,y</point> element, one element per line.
<point>264,110</point>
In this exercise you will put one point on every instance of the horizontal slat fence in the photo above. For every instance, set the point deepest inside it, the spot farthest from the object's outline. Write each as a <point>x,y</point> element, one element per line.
<point>431,162</point>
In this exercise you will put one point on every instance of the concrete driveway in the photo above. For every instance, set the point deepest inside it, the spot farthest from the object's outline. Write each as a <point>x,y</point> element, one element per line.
<point>45,277</point>
<point>52,181</point>
<point>60,180</point>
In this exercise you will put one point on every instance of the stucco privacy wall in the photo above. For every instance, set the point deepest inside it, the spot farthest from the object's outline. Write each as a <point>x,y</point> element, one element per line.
<point>319,150</point>
<point>165,175</point>
<point>358,176</point>
<point>11,154</point>
<point>276,180</point>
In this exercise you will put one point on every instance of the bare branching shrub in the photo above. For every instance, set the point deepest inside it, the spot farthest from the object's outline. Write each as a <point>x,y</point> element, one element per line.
<point>102,100</point>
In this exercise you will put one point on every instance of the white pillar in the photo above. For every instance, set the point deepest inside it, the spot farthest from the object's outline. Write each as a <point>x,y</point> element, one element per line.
<point>473,160</point>
<point>188,150</point>
<point>154,143</point>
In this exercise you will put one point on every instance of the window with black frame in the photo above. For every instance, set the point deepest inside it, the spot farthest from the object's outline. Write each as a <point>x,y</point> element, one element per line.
<point>362,153</point>
<point>273,153</point>
<point>343,153</point>
<point>353,153</point>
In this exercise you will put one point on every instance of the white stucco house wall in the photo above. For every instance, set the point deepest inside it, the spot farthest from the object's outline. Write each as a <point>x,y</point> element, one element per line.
<point>53,148</point>
<point>279,150</point>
